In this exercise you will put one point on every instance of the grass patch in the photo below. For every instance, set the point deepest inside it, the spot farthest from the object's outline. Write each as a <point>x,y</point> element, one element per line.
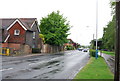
<point>95,69</point>
<point>109,53</point>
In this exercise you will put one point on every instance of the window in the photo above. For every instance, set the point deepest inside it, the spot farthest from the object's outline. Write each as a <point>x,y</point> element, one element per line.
<point>16,32</point>
<point>33,35</point>
<point>33,46</point>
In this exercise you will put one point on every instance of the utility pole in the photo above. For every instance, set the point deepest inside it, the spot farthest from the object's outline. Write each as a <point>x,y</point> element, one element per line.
<point>117,51</point>
<point>96,56</point>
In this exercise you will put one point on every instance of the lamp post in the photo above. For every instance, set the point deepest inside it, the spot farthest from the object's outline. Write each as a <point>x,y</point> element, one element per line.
<point>96,56</point>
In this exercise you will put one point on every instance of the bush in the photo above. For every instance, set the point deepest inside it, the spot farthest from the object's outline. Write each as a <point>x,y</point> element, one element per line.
<point>35,50</point>
<point>92,53</point>
<point>69,47</point>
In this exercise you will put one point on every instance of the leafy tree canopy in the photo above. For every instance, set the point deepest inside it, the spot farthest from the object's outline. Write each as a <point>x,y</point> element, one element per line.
<point>55,28</point>
<point>109,35</point>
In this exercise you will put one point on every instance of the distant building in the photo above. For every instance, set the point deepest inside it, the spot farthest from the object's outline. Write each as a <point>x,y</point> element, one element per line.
<point>70,42</point>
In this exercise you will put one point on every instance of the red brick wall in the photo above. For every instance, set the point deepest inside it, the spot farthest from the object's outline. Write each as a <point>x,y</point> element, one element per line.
<point>14,46</point>
<point>21,49</point>
<point>17,39</point>
<point>4,45</point>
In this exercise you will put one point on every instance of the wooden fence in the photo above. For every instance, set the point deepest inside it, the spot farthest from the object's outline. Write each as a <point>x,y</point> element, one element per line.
<point>46,48</point>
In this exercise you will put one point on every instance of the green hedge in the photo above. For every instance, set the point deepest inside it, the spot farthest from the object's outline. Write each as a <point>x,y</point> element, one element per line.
<point>69,47</point>
<point>92,53</point>
<point>36,50</point>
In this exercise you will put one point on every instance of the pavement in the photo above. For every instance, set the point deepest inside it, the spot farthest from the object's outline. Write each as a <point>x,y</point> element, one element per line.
<point>110,60</point>
<point>63,65</point>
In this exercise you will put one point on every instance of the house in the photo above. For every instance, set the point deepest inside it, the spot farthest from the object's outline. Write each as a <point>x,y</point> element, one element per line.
<point>20,34</point>
<point>70,42</point>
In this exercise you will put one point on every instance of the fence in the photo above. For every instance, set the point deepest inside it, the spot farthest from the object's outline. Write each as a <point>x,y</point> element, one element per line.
<point>46,48</point>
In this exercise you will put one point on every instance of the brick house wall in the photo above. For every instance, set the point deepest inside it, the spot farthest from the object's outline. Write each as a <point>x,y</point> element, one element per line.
<point>16,39</point>
<point>24,42</point>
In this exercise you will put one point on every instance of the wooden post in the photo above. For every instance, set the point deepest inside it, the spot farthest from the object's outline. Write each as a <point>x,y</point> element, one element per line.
<point>117,54</point>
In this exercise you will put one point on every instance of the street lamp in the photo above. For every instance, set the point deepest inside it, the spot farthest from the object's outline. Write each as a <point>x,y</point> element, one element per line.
<point>96,56</point>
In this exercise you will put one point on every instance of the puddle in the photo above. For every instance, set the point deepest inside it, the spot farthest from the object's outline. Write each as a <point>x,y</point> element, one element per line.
<point>49,67</point>
<point>32,60</point>
<point>26,70</point>
<point>7,77</point>
<point>52,62</point>
<point>57,64</point>
<point>45,77</point>
<point>59,54</point>
<point>38,67</point>
<point>46,64</point>
<point>54,71</point>
<point>18,62</point>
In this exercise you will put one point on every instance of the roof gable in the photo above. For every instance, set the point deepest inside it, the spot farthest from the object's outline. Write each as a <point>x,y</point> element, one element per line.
<point>26,23</point>
<point>18,22</point>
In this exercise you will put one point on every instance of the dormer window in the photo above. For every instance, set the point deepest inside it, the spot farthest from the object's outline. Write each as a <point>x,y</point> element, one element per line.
<point>16,32</point>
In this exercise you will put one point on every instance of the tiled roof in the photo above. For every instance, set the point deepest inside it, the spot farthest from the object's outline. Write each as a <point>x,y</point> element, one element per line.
<point>6,22</point>
<point>27,22</point>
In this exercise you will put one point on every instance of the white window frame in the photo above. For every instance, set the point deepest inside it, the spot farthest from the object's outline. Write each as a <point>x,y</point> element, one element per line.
<point>34,35</point>
<point>15,32</point>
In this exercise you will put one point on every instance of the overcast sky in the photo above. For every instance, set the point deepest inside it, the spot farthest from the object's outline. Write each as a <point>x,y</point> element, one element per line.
<point>80,13</point>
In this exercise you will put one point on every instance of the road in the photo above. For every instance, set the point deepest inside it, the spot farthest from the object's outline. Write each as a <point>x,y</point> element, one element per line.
<point>51,66</point>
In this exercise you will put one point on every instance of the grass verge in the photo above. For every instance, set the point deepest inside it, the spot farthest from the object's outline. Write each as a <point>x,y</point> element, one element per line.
<point>109,53</point>
<point>95,69</point>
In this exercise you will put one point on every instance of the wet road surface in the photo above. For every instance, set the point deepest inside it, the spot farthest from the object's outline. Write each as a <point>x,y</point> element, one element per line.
<point>56,66</point>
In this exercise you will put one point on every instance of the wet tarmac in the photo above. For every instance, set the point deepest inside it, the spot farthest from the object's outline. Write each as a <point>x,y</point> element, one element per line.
<point>51,66</point>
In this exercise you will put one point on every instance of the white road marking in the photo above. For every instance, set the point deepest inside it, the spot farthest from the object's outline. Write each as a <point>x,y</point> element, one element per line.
<point>6,69</point>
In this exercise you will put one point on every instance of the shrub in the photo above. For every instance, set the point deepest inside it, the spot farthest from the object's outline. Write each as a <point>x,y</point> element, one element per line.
<point>92,53</point>
<point>35,50</point>
<point>69,47</point>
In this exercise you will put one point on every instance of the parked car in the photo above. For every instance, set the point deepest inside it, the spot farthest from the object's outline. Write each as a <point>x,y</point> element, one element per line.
<point>85,50</point>
<point>80,49</point>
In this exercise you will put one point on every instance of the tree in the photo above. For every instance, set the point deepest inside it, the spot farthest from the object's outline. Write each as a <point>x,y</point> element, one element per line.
<point>55,28</point>
<point>108,39</point>
<point>42,37</point>
<point>109,35</point>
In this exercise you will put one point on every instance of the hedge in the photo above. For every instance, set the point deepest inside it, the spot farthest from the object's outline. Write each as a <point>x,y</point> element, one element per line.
<point>92,53</point>
<point>69,47</point>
